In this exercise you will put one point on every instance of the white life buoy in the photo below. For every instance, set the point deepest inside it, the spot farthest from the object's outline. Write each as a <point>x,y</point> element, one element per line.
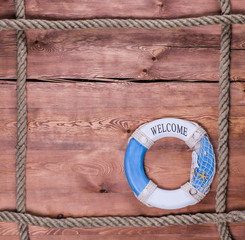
<point>202,169</point>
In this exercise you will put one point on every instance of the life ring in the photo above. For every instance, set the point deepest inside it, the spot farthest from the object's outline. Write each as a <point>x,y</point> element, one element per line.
<point>202,169</point>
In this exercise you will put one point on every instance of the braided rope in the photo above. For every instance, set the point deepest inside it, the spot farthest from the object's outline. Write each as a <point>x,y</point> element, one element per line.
<point>219,217</point>
<point>223,122</point>
<point>21,120</point>
<point>23,24</point>
<point>92,222</point>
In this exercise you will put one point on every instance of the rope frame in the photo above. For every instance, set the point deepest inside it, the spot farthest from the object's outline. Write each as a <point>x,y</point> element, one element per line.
<point>20,24</point>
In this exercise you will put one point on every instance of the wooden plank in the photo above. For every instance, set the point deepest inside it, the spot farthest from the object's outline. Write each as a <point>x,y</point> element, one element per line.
<point>9,231</point>
<point>66,137</point>
<point>7,9</point>
<point>138,8</point>
<point>124,54</point>
<point>73,129</point>
<point>172,232</point>
<point>7,54</point>
<point>76,9</point>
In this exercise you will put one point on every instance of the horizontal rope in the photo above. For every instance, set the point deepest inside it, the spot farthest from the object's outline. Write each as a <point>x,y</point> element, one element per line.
<point>23,24</point>
<point>90,222</point>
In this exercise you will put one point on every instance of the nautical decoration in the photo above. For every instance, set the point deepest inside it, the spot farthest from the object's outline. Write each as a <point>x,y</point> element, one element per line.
<point>202,168</point>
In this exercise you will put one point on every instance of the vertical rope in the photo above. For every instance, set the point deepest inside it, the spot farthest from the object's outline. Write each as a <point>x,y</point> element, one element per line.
<point>224,108</point>
<point>21,120</point>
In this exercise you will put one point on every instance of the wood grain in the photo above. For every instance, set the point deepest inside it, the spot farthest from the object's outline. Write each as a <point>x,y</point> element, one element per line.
<point>77,9</point>
<point>10,232</point>
<point>70,144</point>
<point>77,132</point>
<point>180,54</point>
<point>7,9</point>
<point>73,129</point>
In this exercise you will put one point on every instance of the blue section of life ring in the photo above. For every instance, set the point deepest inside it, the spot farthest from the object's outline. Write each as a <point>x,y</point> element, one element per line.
<point>134,166</point>
<point>206,162</point>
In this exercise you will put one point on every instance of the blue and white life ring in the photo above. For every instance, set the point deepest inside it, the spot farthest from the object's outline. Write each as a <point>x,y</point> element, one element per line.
<point>202,169</point>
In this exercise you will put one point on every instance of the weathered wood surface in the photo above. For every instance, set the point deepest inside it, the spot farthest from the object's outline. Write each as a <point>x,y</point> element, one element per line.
<point>77,139</point>
<point>78,131</point>
<point>181,54</point>
<point>203,232</point>
<point>77,9</point>
<point>123,54</point>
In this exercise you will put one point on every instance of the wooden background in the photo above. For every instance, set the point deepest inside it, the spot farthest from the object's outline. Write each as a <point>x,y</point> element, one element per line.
<point>89,90</point>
